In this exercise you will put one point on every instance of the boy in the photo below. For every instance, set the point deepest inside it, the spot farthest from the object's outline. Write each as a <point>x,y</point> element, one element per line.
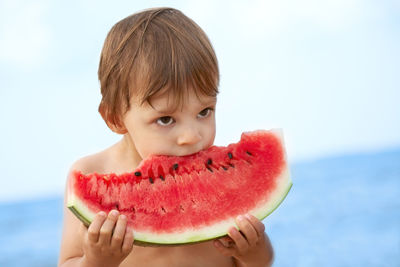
<point>159,82</point>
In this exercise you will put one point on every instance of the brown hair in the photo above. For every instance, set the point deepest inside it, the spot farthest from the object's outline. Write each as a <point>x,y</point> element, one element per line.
<point>151,51</point>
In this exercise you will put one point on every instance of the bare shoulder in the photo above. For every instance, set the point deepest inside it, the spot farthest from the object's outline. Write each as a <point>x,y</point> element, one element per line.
<point>105,161</point>
<point>91,163</point>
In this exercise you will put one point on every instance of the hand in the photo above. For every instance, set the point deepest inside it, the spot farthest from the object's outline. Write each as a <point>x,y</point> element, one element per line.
<point>107,241</point>
<point>250,246</point>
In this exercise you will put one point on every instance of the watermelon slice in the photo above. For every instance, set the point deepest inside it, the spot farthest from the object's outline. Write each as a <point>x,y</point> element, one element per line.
<point>175,200</point>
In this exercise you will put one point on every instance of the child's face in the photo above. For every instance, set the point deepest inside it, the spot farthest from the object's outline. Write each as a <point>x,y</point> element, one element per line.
<point>157,131</point>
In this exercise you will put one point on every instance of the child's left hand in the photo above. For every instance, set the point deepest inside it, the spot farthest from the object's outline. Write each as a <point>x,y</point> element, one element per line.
<point>250,246</point>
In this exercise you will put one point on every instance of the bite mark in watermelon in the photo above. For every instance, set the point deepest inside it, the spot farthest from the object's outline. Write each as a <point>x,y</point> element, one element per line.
<point>175,200</point>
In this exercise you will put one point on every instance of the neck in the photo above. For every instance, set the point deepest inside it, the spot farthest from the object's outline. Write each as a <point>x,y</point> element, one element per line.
<point>127,153</point>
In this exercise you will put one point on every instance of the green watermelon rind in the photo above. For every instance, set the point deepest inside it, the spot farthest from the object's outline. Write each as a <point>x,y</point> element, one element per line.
<point>201,235</point>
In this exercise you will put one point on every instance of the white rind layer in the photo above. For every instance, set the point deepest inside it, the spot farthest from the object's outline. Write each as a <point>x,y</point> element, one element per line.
<point>79,209</point>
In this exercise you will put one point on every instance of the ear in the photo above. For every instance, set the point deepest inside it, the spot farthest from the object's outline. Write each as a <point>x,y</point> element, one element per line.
<point>118,128</point>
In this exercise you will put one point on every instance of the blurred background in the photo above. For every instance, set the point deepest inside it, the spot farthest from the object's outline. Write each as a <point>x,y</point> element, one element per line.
<point>327,72</point>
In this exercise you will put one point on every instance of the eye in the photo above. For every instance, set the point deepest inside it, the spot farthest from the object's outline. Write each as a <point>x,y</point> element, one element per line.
<point>165,121</point>
<point>205,112</point>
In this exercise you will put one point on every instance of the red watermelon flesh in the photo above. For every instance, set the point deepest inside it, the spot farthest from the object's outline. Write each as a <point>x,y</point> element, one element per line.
<point>173,200</point>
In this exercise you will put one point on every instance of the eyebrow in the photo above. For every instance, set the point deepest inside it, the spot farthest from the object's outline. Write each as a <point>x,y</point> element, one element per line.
<point>171,110</point>
<point>165,111</point>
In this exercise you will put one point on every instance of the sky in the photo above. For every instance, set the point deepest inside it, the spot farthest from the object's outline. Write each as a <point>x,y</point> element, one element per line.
<point>326,72</point>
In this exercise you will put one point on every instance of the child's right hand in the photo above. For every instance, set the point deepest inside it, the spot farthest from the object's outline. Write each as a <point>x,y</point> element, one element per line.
<point>107,241</point>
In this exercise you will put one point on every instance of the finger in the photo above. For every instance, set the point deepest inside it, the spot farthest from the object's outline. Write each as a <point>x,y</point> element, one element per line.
<point>258,225</point>
<point>94,227</point>
<point>226,241</point>
<point>240,242</point>
<point>119,232</point>
<point>107,227</point>
<point>247,229</point>
<point>226,251</point>
<point>128,242</point>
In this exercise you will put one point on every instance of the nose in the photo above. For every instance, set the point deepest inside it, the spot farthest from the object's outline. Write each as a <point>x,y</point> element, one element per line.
<point>189,136</point>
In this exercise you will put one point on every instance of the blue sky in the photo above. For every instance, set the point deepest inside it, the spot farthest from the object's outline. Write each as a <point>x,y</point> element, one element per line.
<point>327,72</point>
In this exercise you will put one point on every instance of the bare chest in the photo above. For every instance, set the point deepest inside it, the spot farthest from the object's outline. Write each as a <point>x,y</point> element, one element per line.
<point>203,254</point>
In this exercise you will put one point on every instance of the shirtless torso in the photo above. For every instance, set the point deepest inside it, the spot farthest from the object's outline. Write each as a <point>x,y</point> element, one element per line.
<point>200,254</point>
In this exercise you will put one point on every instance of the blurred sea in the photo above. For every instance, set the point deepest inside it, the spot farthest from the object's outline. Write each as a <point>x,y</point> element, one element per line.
<point>341,211</point>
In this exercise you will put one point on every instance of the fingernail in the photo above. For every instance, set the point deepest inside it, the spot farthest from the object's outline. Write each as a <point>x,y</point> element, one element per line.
<point>248,216</point>
<point>102,214</point>
<point>123,217</point>
<point>240,218</point>
<point>231,231</point>
<point>114,213</point>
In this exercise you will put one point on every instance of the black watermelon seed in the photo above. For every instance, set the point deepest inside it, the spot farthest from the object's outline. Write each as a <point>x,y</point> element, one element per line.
<point>209,161</point>
<point>225,168</point>
<point>230,164</point>
<point>138,174</point>
<point>248,153</point>
<point>230,155</point>
<point>151,180</point>
<point>162,178</point>
<point>208,168</point>
<point>175,166</point>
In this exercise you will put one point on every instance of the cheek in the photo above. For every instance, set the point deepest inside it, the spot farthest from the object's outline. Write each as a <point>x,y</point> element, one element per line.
<point>210,135</point>
<point>143,147</point>
<point>151,144</point>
